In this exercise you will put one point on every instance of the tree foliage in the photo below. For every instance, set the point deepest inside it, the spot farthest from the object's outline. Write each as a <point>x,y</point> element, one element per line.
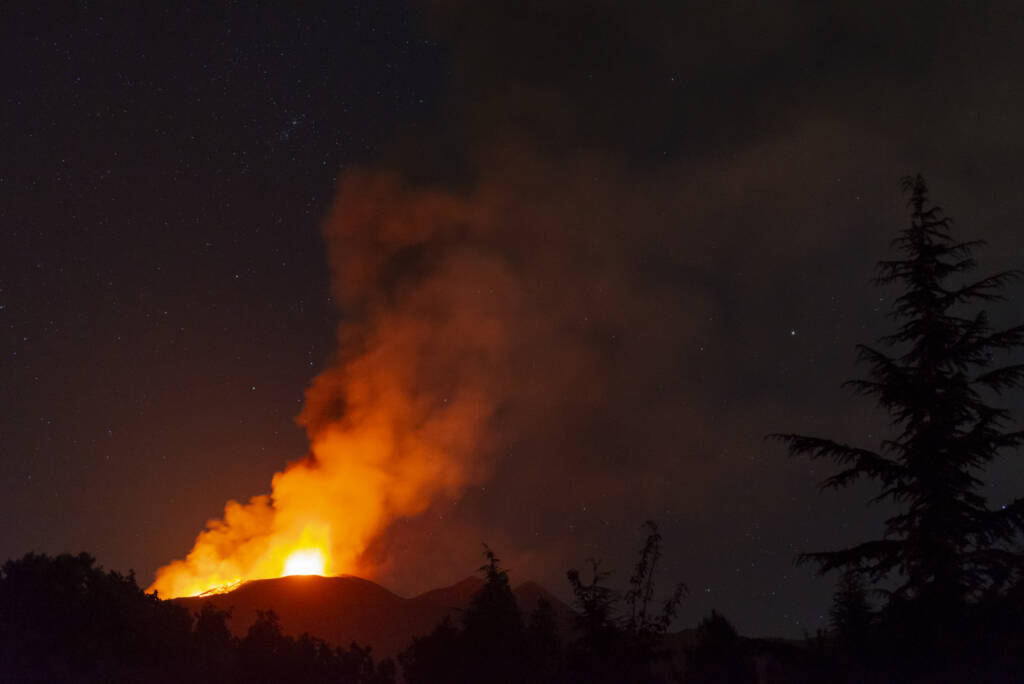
<point>494,643</point>
<point>611,638</point>
<point>63,619</point>
<point>851,615</point>
<point>619,637</point>
<point>935,376</point>
<point>719,656</point>
<point>639,598</point>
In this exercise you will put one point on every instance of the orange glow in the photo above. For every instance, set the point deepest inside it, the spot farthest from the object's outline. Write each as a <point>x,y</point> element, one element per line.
<point>395,425</point>
<point>204,572</point>
<point>305,562</point>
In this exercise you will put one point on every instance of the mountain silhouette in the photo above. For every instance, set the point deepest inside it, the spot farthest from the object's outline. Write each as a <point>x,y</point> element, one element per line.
<point>344,609</point>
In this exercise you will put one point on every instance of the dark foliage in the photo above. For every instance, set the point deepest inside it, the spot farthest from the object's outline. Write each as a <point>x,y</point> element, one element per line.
<point>267,655</point>
<point>612,639</point>
<point>64,619</point>
<point>494,644</point>
<point>945,554</point>
<point>851,615</point>
<point>544,645</point>
<point>599,651</point>
<point>435,657</point>
<point>945,542</point>
<point>619,637</point>
<point>720,655</point>
<point>492,626</point>
<point>646,627</point>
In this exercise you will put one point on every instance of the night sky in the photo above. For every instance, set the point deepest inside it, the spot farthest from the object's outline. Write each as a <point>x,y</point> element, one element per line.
<point>669,213</point>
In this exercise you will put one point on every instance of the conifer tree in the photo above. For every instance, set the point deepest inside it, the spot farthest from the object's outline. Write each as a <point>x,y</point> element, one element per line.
<point>935,377</point>
<point>720,655</point>
<point>850,615</point>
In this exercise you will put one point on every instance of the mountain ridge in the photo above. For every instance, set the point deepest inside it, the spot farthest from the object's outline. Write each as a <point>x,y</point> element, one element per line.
<point>347,608</point>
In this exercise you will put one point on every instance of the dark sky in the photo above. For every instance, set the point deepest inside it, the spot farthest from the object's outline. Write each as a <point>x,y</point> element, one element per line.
<point>666,217</point>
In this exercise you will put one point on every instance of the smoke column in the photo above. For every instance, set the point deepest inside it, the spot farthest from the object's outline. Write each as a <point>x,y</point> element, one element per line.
<point>400,417</point>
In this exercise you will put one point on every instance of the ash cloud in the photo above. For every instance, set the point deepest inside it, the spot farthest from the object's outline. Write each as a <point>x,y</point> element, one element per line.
<point>636,240</point>
<point>674,213</point>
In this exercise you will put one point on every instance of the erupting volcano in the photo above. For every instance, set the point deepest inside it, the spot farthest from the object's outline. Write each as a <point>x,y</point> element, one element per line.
<point>395,423</point>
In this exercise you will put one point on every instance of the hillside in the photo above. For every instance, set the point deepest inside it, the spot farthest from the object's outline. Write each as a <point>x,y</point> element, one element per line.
<point>344,609</point>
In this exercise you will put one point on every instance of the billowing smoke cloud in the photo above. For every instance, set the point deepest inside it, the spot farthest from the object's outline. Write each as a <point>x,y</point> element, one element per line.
<point>522,358</point>
<point>637,245</point>
<point>502,324</point>
<point>398,420</point>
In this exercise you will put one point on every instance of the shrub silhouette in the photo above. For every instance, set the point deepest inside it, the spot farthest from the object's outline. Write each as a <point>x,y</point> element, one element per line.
<point>720,656</point>
<point>64,619</point>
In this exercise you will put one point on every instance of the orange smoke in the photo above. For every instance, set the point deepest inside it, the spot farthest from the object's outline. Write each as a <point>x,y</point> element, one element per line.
<point>396,422</point>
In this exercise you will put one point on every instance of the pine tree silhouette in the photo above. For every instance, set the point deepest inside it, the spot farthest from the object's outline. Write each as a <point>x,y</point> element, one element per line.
<point>851,615</point>
<point>945,541</point>
<point>719,656</point>
<point>944,549</point>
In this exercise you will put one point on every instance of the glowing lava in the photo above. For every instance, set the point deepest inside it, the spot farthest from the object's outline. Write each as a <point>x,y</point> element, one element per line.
<point>298,549</point>
<point>305,562</point>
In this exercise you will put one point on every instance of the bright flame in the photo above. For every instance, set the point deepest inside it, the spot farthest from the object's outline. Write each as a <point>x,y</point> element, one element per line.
<point>305,562</point>
<point>306,552</point>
